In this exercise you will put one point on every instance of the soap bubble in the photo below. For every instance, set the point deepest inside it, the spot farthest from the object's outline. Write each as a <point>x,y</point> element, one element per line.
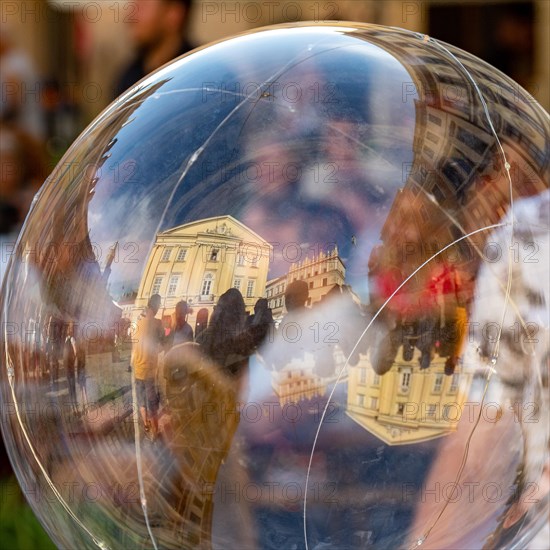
<point>289,291</point>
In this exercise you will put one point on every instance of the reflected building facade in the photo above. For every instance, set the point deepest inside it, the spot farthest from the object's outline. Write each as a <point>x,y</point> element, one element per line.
<point>407,405</point>
<point>197,262</point>
<point>60,265</point>
<point>321,272</point>
<point>456,154</point>
<point>456,184</point>
<point>295,384</point>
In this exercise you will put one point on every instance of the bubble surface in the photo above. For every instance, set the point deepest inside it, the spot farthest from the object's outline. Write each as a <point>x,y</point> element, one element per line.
<point>289,291</point>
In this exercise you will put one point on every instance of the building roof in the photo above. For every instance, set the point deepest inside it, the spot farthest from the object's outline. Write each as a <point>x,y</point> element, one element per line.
<point>218,219</point>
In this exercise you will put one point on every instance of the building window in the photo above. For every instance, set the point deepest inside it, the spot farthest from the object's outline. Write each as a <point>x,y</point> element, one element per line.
<point>254,262</point>
<point>363,375</point>
<point>237,284</point>
<point>214,254</point>
<point>207,284</point>
<point>405,380</point>
<point>173,285</point>
<point>438,193</point>
<point>156,285</point>
<point>454,177</point>
<point>250,288</point>
<point>431,410</point>
<point>360,399</point>
<point>438,383</point>
<point>376,380</point>
<point>374,403</point>
<point>325,281</point>
<point>166,255</point>
<point>195,518</point>
<point>240,259</point>
<point>424,213</point>
<point>454,383</point>
<point>431,137</point>
<point>182,252</point>
<point>311,284</point>
<point>450,413</point>
<point>471,140</point>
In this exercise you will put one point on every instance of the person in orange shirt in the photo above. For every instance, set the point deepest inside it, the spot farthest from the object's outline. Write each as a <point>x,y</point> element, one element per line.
<point>149,338</point>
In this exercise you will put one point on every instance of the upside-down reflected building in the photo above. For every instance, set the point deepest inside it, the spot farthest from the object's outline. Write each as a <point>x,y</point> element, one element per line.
<point>434,237</point>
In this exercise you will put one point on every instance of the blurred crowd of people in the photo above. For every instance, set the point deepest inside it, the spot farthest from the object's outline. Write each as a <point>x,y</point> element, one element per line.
<point>39,116</point>
<point>231,336</point>
<point>22,133</point>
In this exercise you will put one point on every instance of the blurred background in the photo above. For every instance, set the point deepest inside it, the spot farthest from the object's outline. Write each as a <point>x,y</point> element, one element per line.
<point>63,61</point>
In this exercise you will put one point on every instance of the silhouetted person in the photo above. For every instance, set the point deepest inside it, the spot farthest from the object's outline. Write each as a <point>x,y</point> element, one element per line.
<point>158,30</point>
<point>261,322</point>
<point>69,364</point>
<point>54,345</point>
<point>81,368</point>
<point>182,331</point>
<point>296,295</point>
<point>291,341</point>
<point>227,340</point>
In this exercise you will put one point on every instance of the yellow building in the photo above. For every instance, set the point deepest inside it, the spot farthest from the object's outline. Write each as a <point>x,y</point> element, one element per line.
<point>295,384</point>
<point>198,262</point>
<point>407,405</point>
<point>457,163</point>
<point>321,272</point>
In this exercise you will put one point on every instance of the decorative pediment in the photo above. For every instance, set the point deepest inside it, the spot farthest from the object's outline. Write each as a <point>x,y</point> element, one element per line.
<point>220,227</point>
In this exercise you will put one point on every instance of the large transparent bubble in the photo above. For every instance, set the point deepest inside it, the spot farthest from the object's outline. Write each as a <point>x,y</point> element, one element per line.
<point>290,291</point>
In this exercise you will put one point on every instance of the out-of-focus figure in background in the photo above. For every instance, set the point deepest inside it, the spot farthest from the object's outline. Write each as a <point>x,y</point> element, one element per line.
<point>22,171</point>
<point>158,29</point>
<point>182,331</point>
<point>20,86</point>
<point>22,163</point>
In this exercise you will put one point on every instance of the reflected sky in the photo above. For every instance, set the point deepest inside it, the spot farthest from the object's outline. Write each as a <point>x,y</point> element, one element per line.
<point>253,126</point>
